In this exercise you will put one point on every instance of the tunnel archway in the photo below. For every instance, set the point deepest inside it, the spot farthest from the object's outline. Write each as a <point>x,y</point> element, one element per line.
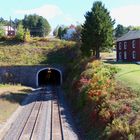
<point>49,76</point>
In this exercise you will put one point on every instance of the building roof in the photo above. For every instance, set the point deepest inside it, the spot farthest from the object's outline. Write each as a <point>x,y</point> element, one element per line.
<point>130,35</point>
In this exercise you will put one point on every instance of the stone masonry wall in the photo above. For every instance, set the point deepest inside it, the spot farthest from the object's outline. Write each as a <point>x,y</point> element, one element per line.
<point>25,75</point>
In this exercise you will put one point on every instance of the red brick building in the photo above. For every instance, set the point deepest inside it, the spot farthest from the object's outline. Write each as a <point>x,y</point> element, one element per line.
<point>128,47</point>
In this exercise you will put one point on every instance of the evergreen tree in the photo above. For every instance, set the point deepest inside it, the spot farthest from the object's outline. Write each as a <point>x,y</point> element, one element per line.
<point>97,31</point>
<point>60,30</point>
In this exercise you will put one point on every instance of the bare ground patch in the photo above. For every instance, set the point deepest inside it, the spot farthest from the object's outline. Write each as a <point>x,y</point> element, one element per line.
<point>11,97</point>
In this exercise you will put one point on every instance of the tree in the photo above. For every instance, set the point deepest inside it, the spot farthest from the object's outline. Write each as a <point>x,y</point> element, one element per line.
<point>55,32</point>
<point>4,22</point>
<point>61,31</point>
<point>2,32</point>
<point>20,33</point>
<point>132,28</point>
<point>77,34</point>
<point>97,31</point>
<point>59,35</point>
<point>120,30</point>
<point>37,25</point>
<point>44,27</point>
<point>16,22</point>
<point>27,36</point>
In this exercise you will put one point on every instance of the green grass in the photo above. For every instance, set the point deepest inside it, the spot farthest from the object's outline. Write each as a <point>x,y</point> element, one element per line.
<point>33,53</point>
<point>129,75</point>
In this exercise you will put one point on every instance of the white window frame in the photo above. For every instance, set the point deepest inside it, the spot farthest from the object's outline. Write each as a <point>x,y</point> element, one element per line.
<point>120,45</point>
<point>133,44</point>
<point>125,45</point>
<point>120,55</point>
<point>125,55</point>
<point>133,54</point>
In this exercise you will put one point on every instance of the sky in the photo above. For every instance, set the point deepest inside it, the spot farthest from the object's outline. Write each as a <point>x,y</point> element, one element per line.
<point>67,12</point>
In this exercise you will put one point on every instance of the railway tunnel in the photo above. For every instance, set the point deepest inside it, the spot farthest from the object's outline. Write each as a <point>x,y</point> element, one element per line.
<point>49,76</point>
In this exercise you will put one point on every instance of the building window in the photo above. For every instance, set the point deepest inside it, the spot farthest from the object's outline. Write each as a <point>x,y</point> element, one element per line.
<point>120,55</point>
<point>125,45</point>
<point>125,55</point>
<point>120,45</point>
<point>133,43</point>
<point>134,54</point>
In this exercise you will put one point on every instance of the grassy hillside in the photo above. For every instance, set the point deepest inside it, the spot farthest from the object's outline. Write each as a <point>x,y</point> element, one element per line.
<point>36,52</point>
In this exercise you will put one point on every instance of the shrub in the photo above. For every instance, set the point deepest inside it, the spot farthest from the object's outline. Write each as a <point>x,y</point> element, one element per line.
<point>2,32</point>
<point>20,33</point>
<point>27,36</point>
<point>95,84</point>
<point>105,108</point>
<point>95,88</point>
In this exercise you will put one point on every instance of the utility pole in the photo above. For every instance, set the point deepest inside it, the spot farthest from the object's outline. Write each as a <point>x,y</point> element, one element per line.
<point>10,23</point>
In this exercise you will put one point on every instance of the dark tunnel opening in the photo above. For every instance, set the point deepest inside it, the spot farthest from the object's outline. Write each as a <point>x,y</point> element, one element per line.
<point>49,77</point>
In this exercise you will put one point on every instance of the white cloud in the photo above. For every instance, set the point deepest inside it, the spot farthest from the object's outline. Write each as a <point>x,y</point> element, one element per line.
<point>52,13</point>
<point>69,19</point>
<point>127,15</point>
<point>47,11</point>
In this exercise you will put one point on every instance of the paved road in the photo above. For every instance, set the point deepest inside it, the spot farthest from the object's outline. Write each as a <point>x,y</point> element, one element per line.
<point>44,116</point>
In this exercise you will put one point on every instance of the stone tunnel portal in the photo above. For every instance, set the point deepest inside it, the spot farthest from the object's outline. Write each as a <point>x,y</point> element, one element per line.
<point>49,76</point>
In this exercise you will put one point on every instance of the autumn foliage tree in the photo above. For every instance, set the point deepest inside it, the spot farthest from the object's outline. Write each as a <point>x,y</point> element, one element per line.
<point>97,31</point>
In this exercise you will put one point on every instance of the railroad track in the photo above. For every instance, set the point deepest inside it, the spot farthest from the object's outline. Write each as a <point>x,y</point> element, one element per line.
<point>41,119</point>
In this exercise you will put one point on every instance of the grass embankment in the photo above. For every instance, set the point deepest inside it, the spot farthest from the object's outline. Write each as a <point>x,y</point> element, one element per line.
<point>11,97</point>
<point>104,108</point>
<point>37,51</point>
